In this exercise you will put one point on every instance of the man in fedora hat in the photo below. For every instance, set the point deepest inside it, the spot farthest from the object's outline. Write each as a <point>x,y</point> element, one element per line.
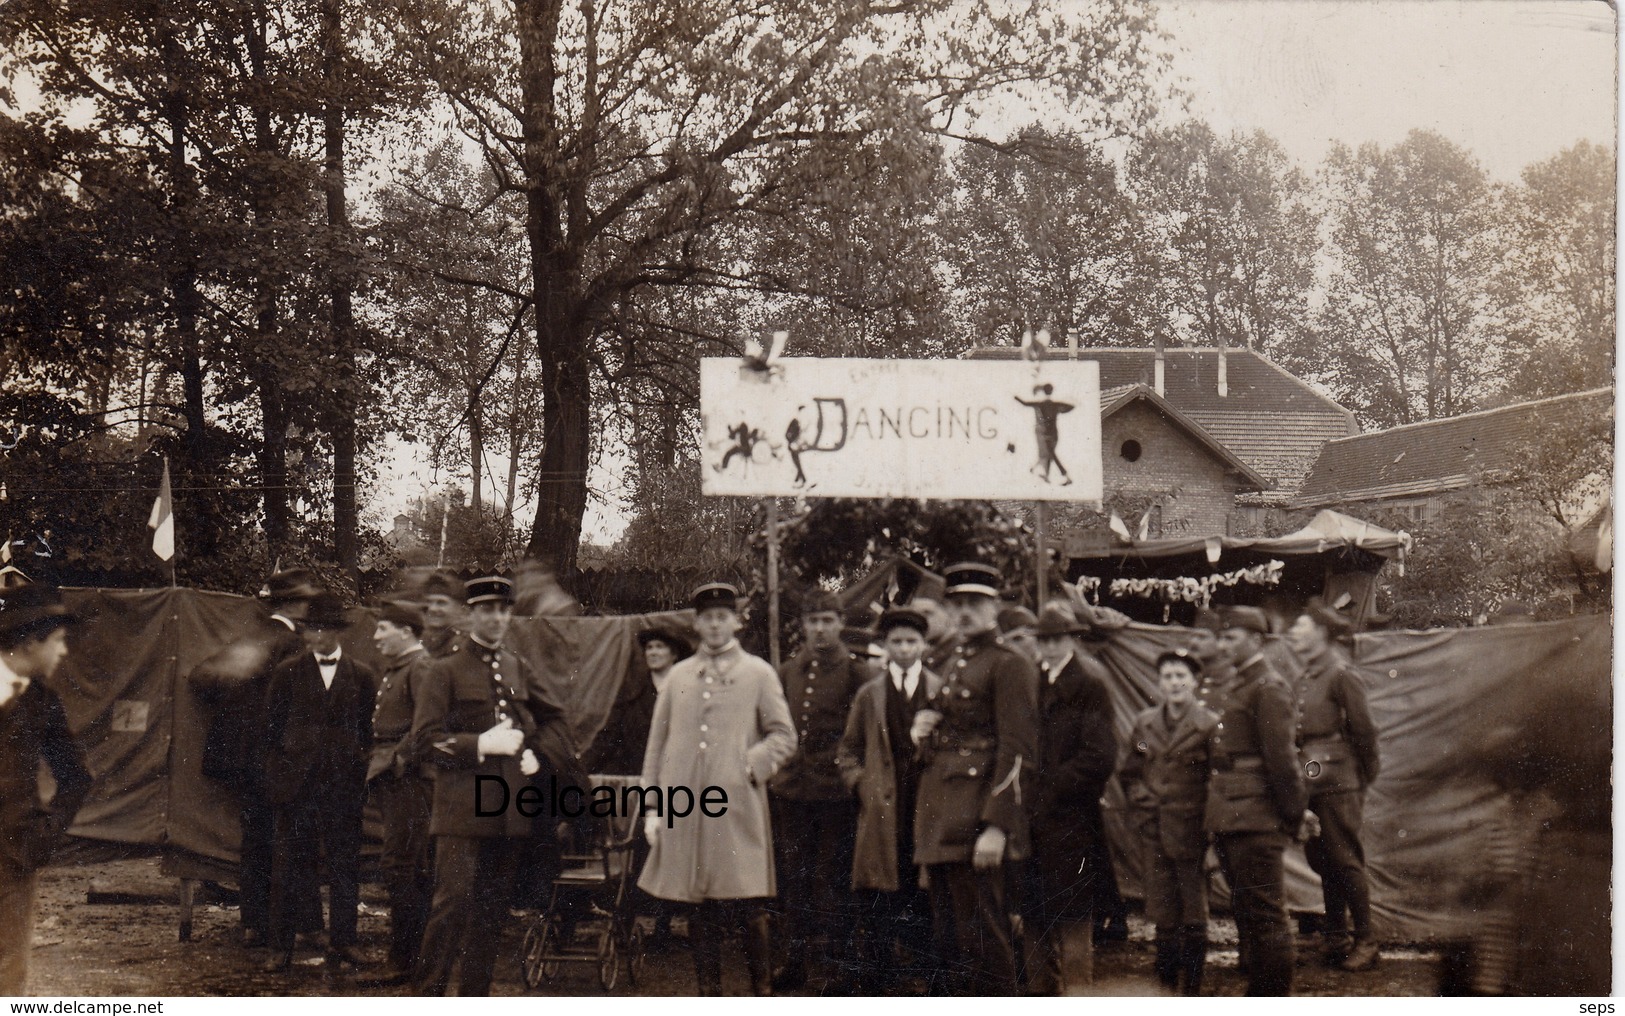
<point>1077,752</point>
<point>481,715</point>
<point>814,815</point>
<point>33,730</point>
<point>1337,743</point>
<point>981,739</point>
<point>1256,800</point>
<point>318,738</point>
<point>878,760</point>
<point>233,682</point>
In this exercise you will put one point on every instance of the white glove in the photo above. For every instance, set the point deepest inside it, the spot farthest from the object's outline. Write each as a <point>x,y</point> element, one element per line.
<point>925,721</point>
<point>528,764</point>
<point>502,739</point>
<point>651,828</point>
<point>989,850</point>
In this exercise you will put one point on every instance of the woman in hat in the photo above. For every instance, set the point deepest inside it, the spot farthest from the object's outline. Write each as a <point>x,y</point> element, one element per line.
<point>618,748</point>
<point>1164,777</point>
<point>721,728</point>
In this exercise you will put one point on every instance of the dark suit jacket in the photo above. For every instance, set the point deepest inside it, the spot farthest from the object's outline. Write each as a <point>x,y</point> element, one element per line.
<point>34,729</point>
<point>234,683</point>
<point>317,737</point>
<point>1165,774</point>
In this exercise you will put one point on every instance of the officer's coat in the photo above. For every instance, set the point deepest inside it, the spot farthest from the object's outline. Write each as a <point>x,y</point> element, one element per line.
<point>720,720</point>
<point>981,751</point>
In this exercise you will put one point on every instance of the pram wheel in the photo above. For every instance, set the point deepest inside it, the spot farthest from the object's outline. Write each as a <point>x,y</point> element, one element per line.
<point>634,955</point>
<point>609,959</point>
<point>541,940</point>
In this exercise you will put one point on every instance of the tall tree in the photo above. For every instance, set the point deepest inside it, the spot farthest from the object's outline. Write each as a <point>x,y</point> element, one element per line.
<point>1040,235</point>
<point>635,132</point>
<point>1554,288</point>
<point>1234,232</point>
<point>1403,336</point>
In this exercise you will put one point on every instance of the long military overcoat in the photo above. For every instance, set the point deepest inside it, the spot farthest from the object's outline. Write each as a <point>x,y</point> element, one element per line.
<point>721,721</point>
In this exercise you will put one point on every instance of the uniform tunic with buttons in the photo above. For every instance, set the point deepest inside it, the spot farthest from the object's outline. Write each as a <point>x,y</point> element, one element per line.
<point>1255,784</point>
<point>819,685</point>
<point>986,741</point>
<point>469,692</point>
<point>1336,736</point>
<point>399,684</point>
<point>721,721</point>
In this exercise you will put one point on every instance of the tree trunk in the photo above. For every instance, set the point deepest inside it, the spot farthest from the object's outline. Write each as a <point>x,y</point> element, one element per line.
<point>183,283</point>
<point>342,427</point>
<point>273,450</point>
<point>476,411</point>
<point>562,328</point>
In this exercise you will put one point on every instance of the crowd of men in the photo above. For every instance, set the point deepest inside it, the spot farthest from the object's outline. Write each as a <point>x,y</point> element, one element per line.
<point>936,827</point>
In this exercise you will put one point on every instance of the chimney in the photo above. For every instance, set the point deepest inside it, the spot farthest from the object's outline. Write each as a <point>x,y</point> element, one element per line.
<point>1224,375</point>
<point>1157,376</point>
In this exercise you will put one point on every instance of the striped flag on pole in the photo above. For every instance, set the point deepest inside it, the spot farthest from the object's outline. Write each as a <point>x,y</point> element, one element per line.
<point>162,520</point>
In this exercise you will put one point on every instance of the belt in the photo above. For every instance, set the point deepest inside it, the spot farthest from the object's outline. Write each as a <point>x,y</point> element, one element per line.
<point>1322,739</point>
<point>969,743</point>
<point>1247,763</point>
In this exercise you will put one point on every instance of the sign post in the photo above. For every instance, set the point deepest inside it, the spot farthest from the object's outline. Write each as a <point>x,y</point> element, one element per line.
<point>773,581</point>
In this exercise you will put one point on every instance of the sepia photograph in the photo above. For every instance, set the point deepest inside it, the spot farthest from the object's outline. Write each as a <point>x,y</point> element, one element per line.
<point>860,498</point>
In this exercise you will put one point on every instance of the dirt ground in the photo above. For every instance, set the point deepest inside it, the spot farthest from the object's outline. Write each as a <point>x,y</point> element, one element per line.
<point>132,947</point>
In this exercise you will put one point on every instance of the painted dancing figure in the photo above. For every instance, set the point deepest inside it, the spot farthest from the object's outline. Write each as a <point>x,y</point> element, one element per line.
<point>1046,411</point>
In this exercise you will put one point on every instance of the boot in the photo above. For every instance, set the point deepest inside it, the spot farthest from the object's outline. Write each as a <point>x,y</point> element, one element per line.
<point>1166,965</point>
<point>704,939</point>
<point>759,951</point>
<point>1193,959</point>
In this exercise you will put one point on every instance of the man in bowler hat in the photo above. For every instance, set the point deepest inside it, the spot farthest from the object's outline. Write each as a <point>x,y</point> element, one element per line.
<point>318,736</point>
<point>33,730</point>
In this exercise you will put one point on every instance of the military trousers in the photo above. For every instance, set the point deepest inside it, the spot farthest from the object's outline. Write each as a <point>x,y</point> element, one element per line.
<point>406,863</point>
<point>970,924</point>
<point>1252,863</point>
<point>473,879</point>
<point>1337,857</point>
<point>812,856</point>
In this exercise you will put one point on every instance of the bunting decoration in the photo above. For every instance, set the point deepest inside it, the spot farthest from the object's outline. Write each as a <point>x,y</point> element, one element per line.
<point>1198,590</point>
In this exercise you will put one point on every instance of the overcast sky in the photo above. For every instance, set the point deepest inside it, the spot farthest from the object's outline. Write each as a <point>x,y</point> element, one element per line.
<point>1513,82</point>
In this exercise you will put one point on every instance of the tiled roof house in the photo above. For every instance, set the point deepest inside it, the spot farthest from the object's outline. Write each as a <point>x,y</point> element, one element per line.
<point>1182,439</point>
<point>1414,465</point>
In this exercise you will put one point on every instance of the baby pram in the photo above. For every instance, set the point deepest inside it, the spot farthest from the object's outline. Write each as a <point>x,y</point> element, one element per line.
<point>589,916</point>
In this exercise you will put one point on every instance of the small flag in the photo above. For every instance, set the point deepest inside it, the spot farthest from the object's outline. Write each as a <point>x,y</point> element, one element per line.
<point>5,550</point>
<point>162,520</point>
<point>1604,557</point>
<point>1119,527</point>
<point>1145,526</point>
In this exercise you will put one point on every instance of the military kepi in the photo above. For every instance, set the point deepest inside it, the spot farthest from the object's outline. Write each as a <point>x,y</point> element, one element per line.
<point>972,577</point>
<point>488,589</point>
<point>715,594</point>
<point>1247,619</point>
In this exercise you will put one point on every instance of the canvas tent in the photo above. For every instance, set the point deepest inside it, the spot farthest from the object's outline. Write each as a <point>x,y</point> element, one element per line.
<point>1332,555</point>
<point>1434,694</point>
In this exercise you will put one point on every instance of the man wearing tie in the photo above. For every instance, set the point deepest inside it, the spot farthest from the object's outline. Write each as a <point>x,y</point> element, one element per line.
<point>318,735</point>
<point>879,761</point>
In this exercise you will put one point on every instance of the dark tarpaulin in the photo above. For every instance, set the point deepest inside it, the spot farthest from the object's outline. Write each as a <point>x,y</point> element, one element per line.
<point>1438,698</point>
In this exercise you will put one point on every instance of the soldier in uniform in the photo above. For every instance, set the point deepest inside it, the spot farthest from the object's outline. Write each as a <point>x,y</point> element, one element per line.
<point>981,739</point>
<point>480,714</point>
<point>814,815</point>
<point>1337,742</point>
<point>941,638</point>
<point>442,612</point>
<point>1256,801</point>
<point>402,786</point>
<point>1215,671</point>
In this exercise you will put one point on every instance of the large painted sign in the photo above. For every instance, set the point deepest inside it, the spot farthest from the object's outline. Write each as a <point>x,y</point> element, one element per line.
<point>1023,430</point>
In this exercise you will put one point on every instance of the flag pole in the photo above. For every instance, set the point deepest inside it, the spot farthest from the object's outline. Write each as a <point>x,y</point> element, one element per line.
<point>1040,552</point>
<point>177,543</point>
<point>773,581</point>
